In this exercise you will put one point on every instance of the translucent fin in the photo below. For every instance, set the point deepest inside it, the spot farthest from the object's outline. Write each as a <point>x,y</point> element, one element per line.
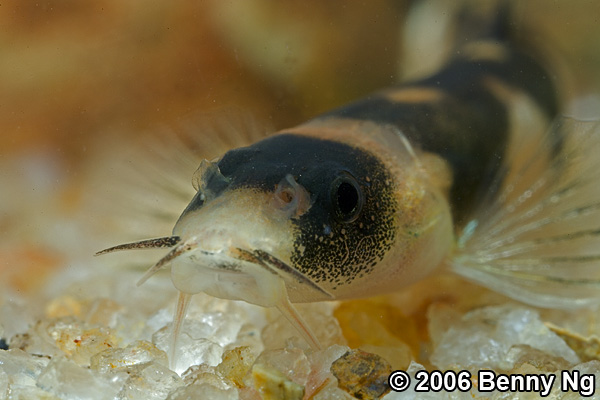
<point>183,302</point>
<point>538,239</point>
<point>139,187</point>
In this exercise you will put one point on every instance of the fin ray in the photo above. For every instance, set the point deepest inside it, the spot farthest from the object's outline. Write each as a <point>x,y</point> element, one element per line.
<point>538,240</point>
<point>151,175</point>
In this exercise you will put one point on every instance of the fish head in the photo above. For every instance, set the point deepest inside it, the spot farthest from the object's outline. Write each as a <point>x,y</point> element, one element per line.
<point>321,216</point>
<point>238,238</point>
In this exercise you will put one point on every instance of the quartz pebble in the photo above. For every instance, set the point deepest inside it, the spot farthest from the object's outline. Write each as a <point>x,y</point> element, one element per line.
<point>280,333</point>
<point>236,364</point>
<point>30,393</point>
<point>15,317</point>
<point>232,350</point>
<point>205,333</point>
<point>292,362</point>
<point>203,391</point>
<point>65,306</point>
<point>79,341</point>
<point>332,392</point>
<point>274,385</point>
<point>3,384</point>
<point>205,382</point>
<point>126,359</point>
<point>152,381</point>
<point>67,380</point>
<point>205,374</point>
<point>35,341</point>
<point>521,354</point>
<point>224,354</point>
<point>21,368</point>
<point>191,350</point>
<point>483,338</point>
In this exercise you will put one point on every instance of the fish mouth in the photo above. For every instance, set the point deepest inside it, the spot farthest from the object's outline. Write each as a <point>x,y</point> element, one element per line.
<point>260,258</point>
<point>273,275</point>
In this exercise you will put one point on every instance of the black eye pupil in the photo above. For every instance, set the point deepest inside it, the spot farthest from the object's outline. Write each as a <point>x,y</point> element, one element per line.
<point>347,198</point>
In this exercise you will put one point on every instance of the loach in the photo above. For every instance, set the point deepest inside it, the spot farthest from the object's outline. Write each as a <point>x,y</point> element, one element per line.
<point>462,167</point>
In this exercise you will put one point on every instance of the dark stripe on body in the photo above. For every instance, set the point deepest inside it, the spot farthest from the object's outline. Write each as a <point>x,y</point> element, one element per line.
<point>468,126</point>
<point>518,70</point>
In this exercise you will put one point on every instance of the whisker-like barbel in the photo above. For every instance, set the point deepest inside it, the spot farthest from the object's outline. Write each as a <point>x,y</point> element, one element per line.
<point>167,241</point>
<point>280,265</point>
<point>174,253</point>
<point>277,266</point>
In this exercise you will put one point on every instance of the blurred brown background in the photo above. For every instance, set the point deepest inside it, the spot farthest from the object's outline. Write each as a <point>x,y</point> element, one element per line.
<point>78,76</point>
<point>72,71</point>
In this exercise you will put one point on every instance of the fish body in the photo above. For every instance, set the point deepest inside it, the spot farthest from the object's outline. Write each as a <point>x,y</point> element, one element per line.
<point>456,168</point>
<point>386,181</point>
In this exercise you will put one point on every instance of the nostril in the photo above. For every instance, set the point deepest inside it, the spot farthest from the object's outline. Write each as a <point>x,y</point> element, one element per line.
<point>285,195</point>
<point>291,197</point>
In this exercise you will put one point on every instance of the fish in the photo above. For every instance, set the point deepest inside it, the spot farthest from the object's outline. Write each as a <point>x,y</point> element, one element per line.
<point>471,167</point>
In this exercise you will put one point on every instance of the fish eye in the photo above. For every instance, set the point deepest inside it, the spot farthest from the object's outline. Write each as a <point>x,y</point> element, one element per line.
<point>347,198</point>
